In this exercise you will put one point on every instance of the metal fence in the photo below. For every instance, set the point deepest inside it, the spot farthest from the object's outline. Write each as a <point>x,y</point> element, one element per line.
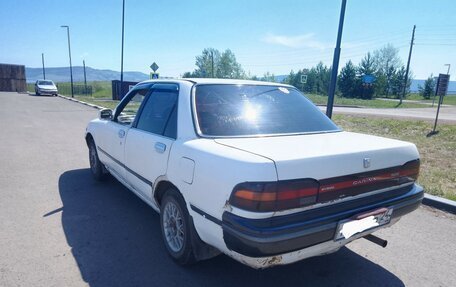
<point>78,89</point>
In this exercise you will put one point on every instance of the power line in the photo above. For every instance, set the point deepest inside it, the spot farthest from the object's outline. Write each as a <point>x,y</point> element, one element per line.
<point>361,46</point>
<point>435,44</point>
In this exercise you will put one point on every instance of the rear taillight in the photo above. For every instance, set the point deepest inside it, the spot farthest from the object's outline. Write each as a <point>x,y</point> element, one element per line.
<point>410,170</point>
<point>275,196</point>
<point>289,194</point>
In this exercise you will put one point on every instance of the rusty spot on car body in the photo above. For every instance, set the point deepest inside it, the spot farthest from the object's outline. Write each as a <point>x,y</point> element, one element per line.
<point>270,261</point>
<point>227,206</point>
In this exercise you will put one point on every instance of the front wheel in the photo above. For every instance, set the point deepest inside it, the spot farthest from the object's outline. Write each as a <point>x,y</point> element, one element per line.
<point>176,228</point>
<point>96,167</point>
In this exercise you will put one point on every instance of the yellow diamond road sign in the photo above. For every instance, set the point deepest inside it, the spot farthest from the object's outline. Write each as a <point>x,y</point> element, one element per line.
<point>154,67</point>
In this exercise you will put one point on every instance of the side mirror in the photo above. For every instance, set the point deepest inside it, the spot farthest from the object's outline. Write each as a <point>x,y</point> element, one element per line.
<point>105,114</point>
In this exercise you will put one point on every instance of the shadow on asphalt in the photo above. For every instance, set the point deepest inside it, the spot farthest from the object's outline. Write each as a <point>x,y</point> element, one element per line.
<point>34,95</point>
<point>116,241</point>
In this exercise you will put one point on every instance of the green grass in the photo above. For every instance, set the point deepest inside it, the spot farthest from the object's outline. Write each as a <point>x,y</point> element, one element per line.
<point>100,90</point>
<point>447,100</point>
<point>106,103</point>
<point>375,103</point>
<point>438,153</point>
<point>30,88</point>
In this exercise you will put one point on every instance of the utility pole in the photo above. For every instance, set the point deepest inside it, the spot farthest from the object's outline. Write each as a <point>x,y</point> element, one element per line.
<point>335,65</point>
<point>42,60</point>
<point>212,61</point>
<point>122,51</point>
<point>69,53</point>
<point>85,79</point>
<point>408,65</point>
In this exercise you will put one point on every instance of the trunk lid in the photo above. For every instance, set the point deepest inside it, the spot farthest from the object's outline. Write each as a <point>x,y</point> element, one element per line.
<point>344,163</point>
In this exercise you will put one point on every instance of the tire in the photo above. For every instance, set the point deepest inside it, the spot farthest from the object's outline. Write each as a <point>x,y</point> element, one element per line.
<point>96,166</point>
<point>37,93</point>
<point>177,229</point>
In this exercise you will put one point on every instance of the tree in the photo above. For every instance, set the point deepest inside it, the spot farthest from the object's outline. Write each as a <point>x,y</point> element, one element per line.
<point>386,63</point>
<point>189,75</point>
<point>268,77</point>
<point>367,65</point>
<point>228,67</point>
<point>207,63</point>
<point>428,89</point>
<point>213,64</point>
<point>387,57</point>
<point>347,80</point>
<point>290,78</point>
<point>323,74</point>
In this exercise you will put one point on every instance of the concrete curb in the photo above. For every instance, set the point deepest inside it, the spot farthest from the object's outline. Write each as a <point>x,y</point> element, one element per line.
<point>429,200</point>
<point>440,203</point>
<point>81,102</point>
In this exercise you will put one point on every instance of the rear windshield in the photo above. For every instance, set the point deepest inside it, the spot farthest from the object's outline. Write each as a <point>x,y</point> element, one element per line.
<point>45,83</point>
<point>249,110</point>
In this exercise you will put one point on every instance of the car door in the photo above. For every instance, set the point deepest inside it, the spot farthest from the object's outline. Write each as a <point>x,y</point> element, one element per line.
<point>150,139</point>
<point>111,145</point>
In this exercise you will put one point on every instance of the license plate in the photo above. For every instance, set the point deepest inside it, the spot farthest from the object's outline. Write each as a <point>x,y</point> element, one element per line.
<point>363,222</point>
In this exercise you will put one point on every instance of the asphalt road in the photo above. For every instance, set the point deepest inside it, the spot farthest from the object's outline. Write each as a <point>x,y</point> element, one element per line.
<point>58,227</point>
<point>447,114</point>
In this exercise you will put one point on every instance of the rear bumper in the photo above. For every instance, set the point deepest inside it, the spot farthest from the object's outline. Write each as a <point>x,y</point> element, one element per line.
<point>288,233</point>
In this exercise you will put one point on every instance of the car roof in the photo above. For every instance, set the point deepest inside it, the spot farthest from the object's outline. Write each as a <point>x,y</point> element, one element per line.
<point>219,81</point>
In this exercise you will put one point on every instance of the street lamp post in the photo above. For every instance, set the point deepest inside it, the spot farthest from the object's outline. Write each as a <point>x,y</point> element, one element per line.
<point>335,65</point>
<point>85,78</point>
<point>448,71</point>
<point>42,61</point>
<point>69,54</point>
<point>122,50</point>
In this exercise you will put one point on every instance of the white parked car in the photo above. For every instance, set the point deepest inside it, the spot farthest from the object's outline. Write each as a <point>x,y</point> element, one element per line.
<point>45,87</point>
<point>251,169</point>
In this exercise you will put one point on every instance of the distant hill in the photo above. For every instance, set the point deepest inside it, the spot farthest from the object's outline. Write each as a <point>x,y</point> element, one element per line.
<point>62,74</point>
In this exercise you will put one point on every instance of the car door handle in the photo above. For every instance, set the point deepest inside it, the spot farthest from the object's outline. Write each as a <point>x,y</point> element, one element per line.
<point>160,147</point>
<point>121,133</point>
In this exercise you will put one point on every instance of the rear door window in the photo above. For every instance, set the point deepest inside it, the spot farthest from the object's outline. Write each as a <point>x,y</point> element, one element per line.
<point>159,115</point>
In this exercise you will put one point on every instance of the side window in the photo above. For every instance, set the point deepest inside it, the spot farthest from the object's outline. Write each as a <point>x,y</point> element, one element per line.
<point>129,109</point>
<point>159,115</point>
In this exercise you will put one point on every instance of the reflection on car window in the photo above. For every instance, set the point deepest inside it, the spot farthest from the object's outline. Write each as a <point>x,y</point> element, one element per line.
<point>128,113</point>
<point>45,83</point>
<point>249,110</point>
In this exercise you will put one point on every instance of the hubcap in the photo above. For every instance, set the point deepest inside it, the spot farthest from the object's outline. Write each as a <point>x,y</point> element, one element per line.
<point>173,226</point>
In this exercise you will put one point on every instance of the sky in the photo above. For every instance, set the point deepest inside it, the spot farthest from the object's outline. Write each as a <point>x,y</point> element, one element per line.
<point>266,36</point>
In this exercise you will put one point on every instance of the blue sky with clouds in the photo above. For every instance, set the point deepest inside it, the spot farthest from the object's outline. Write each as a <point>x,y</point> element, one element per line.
<point>274,36</point>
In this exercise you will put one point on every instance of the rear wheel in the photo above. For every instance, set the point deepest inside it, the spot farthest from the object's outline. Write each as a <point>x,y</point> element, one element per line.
<point>176,228</point>
<point>96,167</point>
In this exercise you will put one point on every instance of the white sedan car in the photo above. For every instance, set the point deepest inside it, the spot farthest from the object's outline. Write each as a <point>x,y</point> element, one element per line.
<point>45,87</point>
<point>251,169</point>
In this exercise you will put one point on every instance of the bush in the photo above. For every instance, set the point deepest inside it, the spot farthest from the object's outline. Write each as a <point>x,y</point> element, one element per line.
<point>428,89</point>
